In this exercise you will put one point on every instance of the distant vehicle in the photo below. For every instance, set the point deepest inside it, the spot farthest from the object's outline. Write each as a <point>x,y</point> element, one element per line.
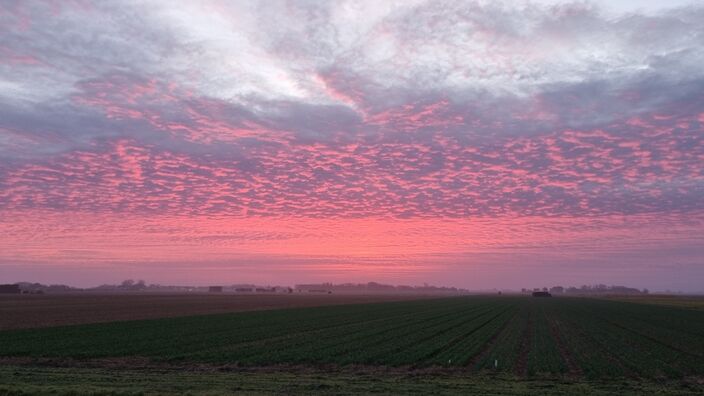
<point>541,294</point>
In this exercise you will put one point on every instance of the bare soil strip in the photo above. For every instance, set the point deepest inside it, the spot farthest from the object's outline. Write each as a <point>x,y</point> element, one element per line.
<point>32,311</point>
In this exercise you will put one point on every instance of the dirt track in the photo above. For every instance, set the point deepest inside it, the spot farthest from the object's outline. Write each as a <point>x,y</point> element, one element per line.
<point>28,311</point>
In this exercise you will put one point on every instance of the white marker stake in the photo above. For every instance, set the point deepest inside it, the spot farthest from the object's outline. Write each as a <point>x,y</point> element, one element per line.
<point>496,363</point>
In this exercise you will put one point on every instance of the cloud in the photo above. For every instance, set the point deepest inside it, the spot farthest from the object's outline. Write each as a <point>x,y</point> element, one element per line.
<point>468,108</point>
<point>644,165</point>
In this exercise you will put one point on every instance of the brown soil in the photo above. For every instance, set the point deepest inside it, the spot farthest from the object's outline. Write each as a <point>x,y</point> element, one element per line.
<point>30,311</point>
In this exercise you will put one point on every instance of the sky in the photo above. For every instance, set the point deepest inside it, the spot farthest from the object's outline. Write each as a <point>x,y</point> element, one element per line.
<point>477,144</point>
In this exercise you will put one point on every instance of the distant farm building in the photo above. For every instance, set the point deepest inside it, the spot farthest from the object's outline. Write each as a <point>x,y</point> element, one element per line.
<point>541,294</point>
<point>10,289</point>
<point>244,290</point>
<point>215,289</point>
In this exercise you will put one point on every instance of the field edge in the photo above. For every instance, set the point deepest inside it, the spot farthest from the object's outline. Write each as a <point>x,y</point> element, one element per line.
<point>32,379</point>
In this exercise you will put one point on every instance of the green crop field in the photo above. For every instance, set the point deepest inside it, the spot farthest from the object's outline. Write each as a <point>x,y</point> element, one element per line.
<point>529,338</point>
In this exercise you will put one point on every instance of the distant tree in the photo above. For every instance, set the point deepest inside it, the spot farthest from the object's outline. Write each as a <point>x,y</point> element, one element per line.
<point>130,284</point>
<point>557,289</point>
<point>645,291</point>
<point>127,284</point>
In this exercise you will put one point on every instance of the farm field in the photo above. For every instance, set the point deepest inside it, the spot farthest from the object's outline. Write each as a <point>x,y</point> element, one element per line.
<point>565,344</point>
<point>28,311</point>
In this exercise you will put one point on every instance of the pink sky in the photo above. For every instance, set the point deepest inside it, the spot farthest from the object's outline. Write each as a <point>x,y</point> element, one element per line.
<point>480,145</point>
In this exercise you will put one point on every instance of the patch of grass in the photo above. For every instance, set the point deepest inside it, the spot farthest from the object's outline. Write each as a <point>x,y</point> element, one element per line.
<point>22,380</point>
